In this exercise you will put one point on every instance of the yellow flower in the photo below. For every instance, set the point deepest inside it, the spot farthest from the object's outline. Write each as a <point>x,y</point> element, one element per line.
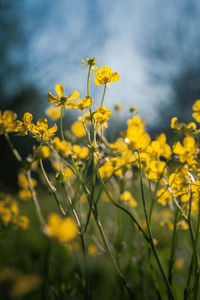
<point>154,170</point>
<point>89,61</point>
<point>196,108</point>
<point>7,121</point>
<point>118,107</point>
<point>102,114</point>
<point>60,99</point>
<point>5,214</point>
<point>64,147</point>
<point>53,112</point>
<point>41,130</point>
<point>127,197</point>
<point>41,152</point>
<point>104,75</point>
<point>106,170</point>
<point>164,196</point>
<point>64,230</point>
<point>22,222</point>
<point>81,104</point>
<point>92,249</point>
<point>23,182</point>
<point>186,129</point>
<point>24,126</point>
<point>80,152</point>
<point>25,194</point>
<point>78,129</point>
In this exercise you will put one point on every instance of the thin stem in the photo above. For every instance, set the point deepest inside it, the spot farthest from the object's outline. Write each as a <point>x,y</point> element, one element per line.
<point>34,198</point>
<point>61,121</point>
<point>194,261</point>
<point>12,147</point>
<point>150,236</point>
<point>121,207</point>
<point>108,250</point>
<point>81,233</point>
<point>104,91</point>
<point>52,188</point>
<point>88,81</point>
<point>173,247</point>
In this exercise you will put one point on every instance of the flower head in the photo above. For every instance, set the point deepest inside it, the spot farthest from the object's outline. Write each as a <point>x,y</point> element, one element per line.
<point>7,121</point>
<point>104,75</point>
<point>60,99</point>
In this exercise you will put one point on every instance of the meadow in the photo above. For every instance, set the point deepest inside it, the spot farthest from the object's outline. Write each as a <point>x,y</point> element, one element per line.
<point>95,219</point>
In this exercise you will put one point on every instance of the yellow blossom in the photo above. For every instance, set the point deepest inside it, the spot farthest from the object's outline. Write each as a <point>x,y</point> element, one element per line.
<point>92,249</point>
<point>64,147</point>
<point>24,126</point>
<point>104,75</point>
<point>128,198</point>
<point>60,99</point>
<point>102,114</point>
<point>106,170</point>
<point>53,112</point>
<point>81,104</point>
<point>41,152</point>
<point>164,196</point>
<point>64,230</point>
<point>22,222</point>
<point>7,121</point>
<point>196,108</point>
<point>78,129</point>
<point>80,152</point>
<point>41,130</point>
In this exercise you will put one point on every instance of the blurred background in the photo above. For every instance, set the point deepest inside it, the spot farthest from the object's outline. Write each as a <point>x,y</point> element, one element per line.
<point>153,45</point>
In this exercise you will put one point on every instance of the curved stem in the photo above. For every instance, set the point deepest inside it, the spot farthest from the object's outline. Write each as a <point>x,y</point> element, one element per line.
<point>171,295</point>
<point>12,147</point>
<point>52,188</point>
<point>34,198</point>
<point>121,207</point>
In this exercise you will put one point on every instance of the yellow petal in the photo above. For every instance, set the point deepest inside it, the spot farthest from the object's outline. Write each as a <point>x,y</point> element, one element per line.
<point>196,106</point>
<point>115,77</point>
<point>52,98</point>
<point>59,88</point>
<point>73,96</point>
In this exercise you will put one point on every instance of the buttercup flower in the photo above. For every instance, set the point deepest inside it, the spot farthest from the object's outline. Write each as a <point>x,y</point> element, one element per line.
<point>7,121</point>
<point>196,108</point>
<point>41,130</point>
<point>104,75</point>
<point>53,112</point>
<point>60,99</point>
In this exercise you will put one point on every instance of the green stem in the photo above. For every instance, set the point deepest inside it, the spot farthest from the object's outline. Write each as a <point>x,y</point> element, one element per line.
<point>82,242</point>
<point>173,247</point>
<point>52,188</point>
<point>150,235</point>
<point>61,123</point>
<point>104,91</point>
<point>88,81</point>
<point>121,207</point>
<point>34,198</point>
<point>12,147</point>
<point>108,250</point>
<point>194,261</point>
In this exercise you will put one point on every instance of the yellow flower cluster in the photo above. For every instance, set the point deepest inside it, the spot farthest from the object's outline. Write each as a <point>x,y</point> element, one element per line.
<point>63,230</point>
<point>39,131</point>
<point>24,192</point>
<point>9,212</point>
<point>7,121</point>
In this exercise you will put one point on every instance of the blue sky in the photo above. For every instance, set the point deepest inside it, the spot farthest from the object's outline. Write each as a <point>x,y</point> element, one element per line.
<point>124,35</point>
